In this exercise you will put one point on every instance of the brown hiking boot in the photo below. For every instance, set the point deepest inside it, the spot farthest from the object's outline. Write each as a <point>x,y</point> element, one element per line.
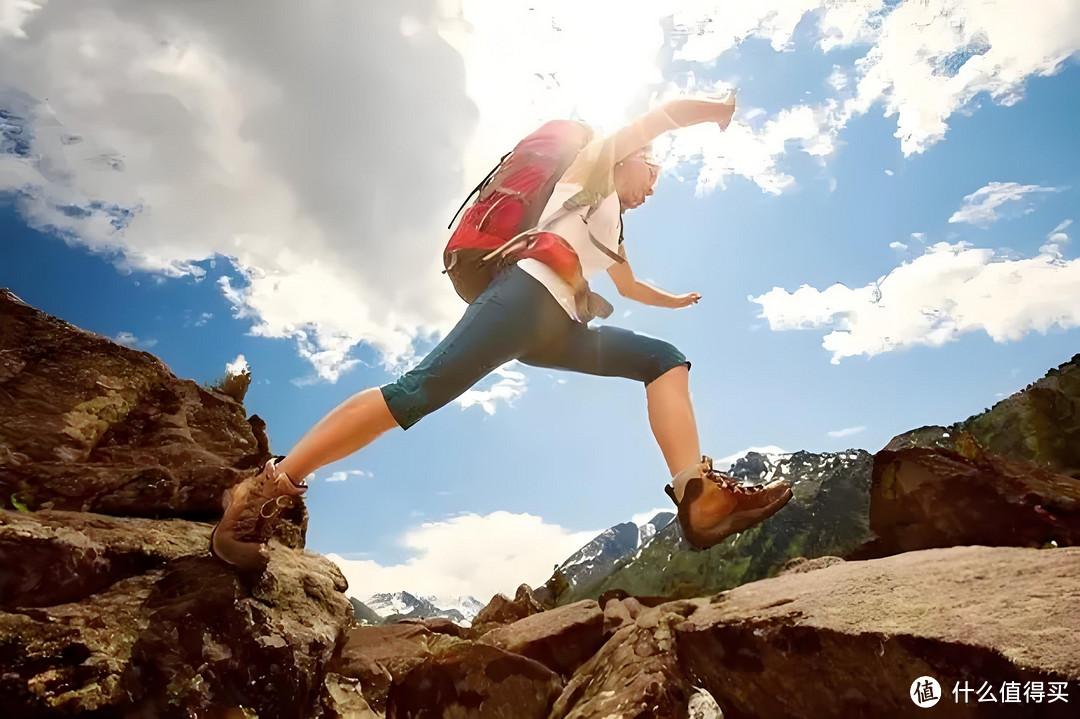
<point>715,506</point>
<point>251,508</point>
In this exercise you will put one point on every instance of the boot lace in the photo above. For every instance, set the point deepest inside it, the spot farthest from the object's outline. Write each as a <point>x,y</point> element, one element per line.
<point>729,483</point>
<point>268,487</point>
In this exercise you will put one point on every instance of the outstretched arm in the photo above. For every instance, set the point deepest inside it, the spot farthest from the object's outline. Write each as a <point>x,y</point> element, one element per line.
<point>634,289</point>
<point>673,114</point>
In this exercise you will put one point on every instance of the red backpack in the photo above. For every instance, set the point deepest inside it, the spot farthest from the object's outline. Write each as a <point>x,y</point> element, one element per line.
<point>500,227</point>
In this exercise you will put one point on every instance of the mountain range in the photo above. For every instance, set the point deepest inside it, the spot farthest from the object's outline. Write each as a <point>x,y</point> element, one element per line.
<point>387,607</point>
<point>595,560</point>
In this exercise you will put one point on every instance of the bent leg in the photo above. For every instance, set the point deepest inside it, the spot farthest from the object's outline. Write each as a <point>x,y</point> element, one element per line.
<point>671,417</point>
<point>495,329</point>
<point>664,370</point>
<point>499,326</point>
<point>353,424</point>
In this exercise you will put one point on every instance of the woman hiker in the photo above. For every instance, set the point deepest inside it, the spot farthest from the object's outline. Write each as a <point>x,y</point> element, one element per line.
<point>532,313</point>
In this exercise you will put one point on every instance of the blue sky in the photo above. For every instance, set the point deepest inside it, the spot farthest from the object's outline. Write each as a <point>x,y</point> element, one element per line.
<point>241,178</point>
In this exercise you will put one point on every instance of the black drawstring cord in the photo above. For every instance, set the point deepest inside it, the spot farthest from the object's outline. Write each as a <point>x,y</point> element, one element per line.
<point>478,189</point>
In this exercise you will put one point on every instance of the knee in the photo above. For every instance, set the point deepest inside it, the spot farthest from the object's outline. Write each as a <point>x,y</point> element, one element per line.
<point>410,398</point>
<point>663,357</point>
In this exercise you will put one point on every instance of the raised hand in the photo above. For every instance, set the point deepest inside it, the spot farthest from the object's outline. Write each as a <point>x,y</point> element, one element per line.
<point>685,300</point>
<point>725,108</point>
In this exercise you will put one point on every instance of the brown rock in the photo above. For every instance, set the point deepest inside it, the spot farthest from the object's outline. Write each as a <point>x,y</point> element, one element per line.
<point>474,681</point>
<point>111,616</point>
<point>343,699</point>
<point>376,655</point>
<point>211,642</point>
<point>611,595</point>
<point>619,594</point>
<point>939,488</point>
<point>65,556</point>
<point>502,610</point>
<point>87,424</point>
<point>849,640</point>
<point>406,670</point>
<point>72,658</point>
<point>616,616</point>
<point>798,565</point>
<point>635,675</point>
<point>438,625</point>
<point>186,636</point>
<point>560,639</point>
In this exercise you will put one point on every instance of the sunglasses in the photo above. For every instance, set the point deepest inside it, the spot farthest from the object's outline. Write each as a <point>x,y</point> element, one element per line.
<point>654,169</point>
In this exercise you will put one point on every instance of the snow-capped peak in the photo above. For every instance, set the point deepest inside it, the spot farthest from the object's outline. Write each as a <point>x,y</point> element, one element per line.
<point>386,604</point>
<point>468,605</point>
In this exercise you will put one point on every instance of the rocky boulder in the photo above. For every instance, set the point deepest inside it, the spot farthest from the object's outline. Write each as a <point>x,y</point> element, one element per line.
<point>121,611</point>
<point>211,641</point>
<point>851,639</point>
<point>635,675</point>
<point>1007,476</point>
<point>406,670</point>
<point>560,639</point>
<point>503,610</point>
<point>936,487</point>
<point>180,635</point>
<point>829,638</point>
<point>66,556</point>
<point>87,424</point>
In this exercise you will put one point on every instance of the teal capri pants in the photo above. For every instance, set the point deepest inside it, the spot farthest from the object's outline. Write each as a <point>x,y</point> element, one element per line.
<point>517,318</point>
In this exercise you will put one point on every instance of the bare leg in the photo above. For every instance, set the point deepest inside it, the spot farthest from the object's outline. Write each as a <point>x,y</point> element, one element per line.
<point>351,425</point>
<point>671,417</point>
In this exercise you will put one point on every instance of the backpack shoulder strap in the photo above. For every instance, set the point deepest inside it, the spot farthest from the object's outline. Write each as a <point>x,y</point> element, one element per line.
<point>478,189</point>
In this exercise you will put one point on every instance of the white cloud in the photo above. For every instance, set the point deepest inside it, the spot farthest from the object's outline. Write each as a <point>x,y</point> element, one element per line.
<point>890,173</point>
<point>508,387</point>
<point>642,517</point>
<point>175,133</point>
<point>341,476</point>
<point>237,367</point>
<point>755,155</point>
<point>927,60</point>
<point>126,338</point>
<point>919,237</point>
<point>931,58</point>
<point>469,554</point>
<point>898,246</point>
<point>948,291</point>
<point>14,14</point>
<point>838,79</point>
<point>129,340</point>
<point>846,432</point>
<point>1056,239</point>
<point>980,207</point>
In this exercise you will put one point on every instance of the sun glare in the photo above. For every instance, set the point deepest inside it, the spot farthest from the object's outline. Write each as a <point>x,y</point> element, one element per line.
<point>556,58</point>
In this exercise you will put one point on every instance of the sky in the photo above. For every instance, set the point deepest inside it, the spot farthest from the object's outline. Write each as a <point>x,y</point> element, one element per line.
<point>883,238</point>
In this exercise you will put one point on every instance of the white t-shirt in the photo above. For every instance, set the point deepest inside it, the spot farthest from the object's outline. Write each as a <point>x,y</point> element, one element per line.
<point>605,225</point>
